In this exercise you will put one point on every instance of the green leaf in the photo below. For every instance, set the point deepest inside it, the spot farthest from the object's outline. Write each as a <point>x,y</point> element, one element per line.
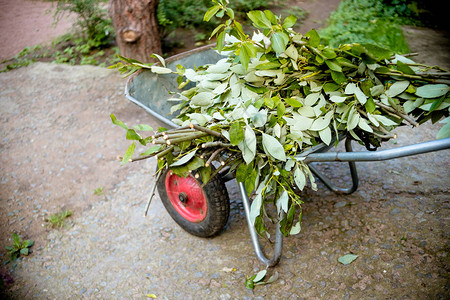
<point>430,91</point>
<point>279,41</point>
<point>338,77</point>
<point>250,182</point>
<point>299,178</point>
<point>362,98</point>
<point>444,132</point>
<point>160,70</point>
<point>325,135</point>
<point>211,12</point>
<point>311,99</point>
<point>364,125</point>
<point>220,41</point>
<point>280,109</point>
<point>295,229</point>
<point>236,133</point>
<point>255,208</point>
<point>377,90</point>
<point>203,99</point>
<point>259,19</point>
<point>195,163</point>
<point>241,172</point>
<point>247,51</point>
<point>230,13</point>
<point>128,154</point>
<point>133,135</point>
<point>151,150</point>
<point>181,171</point>
<point>260,276</point>
<point>283,202</point>
<point>347,259</point>
<point>24,251</point>
<point>289,21</point>
<point>159,57</point>
<point>293,102</point>
<point>268,65</point>
<point>248,145</point>
<point>338,99</point>
<point>260,118</point>
<point>330,87</point>
<point>333,65</point>
<point>272,18</point>
<point>320,123</point>
<point>118,122</point>
<point>249,283</point>
<point>397,88</point>
<point>402,67</point>
<point>217,29</point>
<point>186,158</point>
<point>353,119</point>
<point>292,52</point>
<point>16,239</point>
<point>385,120</point>
<point>273,147</point>
<point>370,105</point>
<point>377,52</point>
<point>436,104</point>
<point>143,127</point>
<point>313,38</point>
<point>205,173</point>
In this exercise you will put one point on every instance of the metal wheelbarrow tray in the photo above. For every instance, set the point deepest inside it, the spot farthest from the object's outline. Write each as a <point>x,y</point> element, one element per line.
<point>150,91</point>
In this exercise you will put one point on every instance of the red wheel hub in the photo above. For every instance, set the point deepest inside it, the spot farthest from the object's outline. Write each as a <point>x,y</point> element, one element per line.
<point>187,197</point>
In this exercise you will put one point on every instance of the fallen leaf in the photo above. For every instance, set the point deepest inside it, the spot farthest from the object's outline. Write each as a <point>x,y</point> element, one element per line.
<point>347,259</point>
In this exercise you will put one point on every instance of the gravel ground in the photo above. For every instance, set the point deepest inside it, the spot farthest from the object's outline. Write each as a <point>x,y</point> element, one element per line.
<point>397,222</point>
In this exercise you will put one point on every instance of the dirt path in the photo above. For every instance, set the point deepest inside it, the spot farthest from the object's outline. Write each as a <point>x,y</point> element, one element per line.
<point>58,145</point>
<point>28,23</point>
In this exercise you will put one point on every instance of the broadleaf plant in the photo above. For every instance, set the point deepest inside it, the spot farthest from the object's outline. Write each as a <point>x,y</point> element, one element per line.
<point>278,93</point>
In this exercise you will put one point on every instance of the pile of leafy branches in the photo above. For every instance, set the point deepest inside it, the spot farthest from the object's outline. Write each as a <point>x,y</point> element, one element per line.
<point>277,94</point>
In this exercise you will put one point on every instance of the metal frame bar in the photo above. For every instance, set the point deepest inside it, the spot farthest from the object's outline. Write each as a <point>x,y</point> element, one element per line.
<point>269,262</point>
<point>353,174</point>
<point>397,152</point>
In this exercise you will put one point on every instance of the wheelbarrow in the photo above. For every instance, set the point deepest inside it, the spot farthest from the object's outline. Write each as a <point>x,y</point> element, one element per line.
<point>203,210</point>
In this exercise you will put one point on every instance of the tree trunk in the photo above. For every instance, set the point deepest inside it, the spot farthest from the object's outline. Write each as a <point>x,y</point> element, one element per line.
<point>136,26</point>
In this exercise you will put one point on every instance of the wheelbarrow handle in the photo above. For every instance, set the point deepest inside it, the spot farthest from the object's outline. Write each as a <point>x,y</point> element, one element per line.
<point>398,152</point>
<point>269,262</point>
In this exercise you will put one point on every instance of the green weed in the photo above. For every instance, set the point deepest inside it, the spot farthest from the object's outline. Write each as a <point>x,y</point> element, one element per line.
<point>18,247</point>
<point>99,191</point>
<point>58,220</point>
<point>366,21</point>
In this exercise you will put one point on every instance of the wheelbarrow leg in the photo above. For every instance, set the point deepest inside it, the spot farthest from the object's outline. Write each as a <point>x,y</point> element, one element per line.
<point>254,235</point>
<point>353,173</point>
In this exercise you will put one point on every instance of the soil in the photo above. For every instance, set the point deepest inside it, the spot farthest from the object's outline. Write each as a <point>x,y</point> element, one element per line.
<point>58,146</point>
<point>28,23</point>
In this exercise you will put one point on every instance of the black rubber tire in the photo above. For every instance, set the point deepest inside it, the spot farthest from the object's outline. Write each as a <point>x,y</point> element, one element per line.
<point>218,207</point>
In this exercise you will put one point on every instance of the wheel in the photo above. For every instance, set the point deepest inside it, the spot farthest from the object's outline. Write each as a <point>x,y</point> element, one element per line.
<point>201,211</point>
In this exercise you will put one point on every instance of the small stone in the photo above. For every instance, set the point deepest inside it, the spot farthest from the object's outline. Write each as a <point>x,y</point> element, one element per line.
<point>395,211</point>
<point>340,204</point>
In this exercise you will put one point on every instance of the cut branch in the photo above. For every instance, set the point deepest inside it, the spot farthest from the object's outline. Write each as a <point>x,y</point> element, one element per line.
<point>152,193</point>
<point>207,130</point>
<point>398,114</point>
